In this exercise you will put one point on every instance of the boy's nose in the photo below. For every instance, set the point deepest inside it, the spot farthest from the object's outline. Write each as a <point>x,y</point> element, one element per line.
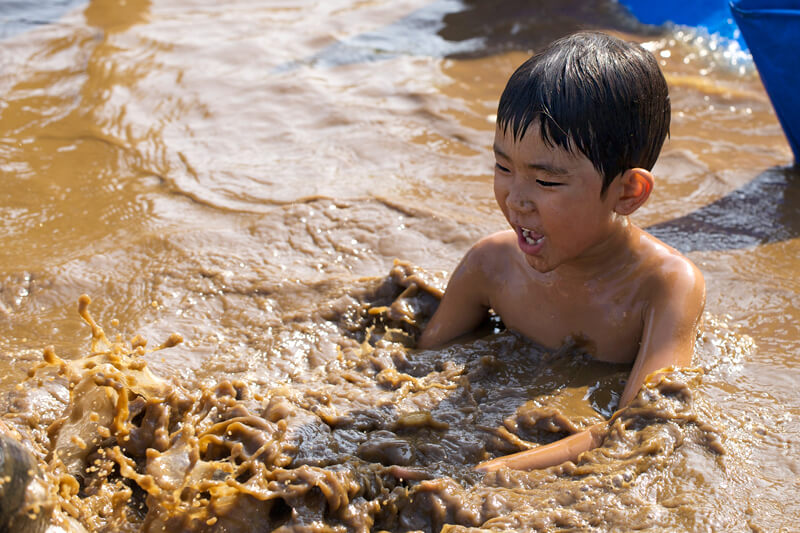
<point>519,203</point>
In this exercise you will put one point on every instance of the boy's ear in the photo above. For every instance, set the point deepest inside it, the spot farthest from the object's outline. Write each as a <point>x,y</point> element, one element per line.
<point>636,184</point>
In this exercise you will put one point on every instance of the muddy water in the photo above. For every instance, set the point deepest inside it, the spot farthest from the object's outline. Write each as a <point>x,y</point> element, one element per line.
<point>246,175</point>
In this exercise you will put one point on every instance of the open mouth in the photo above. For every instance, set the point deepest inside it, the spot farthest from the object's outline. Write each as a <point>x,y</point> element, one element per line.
<point>531,237</point>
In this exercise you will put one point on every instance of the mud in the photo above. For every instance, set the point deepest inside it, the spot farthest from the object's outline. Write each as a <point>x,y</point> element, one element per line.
<point>379,437</point>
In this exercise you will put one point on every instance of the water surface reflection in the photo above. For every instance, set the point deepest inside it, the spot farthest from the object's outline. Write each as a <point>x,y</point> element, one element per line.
<point>158,158</point>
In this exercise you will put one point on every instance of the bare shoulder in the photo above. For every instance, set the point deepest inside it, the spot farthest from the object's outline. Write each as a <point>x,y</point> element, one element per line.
<point>469,292</point>
<point>491,262</point>
<point>493,252</point>
<point>486,265</point>
<point>671,276</point>
<point>674,293</point>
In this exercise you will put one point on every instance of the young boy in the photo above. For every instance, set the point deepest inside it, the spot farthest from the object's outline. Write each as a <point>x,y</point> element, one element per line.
<point>579,127</point>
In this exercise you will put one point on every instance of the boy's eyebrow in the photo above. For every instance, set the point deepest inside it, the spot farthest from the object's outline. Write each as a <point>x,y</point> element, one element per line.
<point>544,167</point>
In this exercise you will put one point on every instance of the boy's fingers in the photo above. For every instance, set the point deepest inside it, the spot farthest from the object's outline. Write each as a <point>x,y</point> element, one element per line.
<point>490,466</point>
<point>405,472</point>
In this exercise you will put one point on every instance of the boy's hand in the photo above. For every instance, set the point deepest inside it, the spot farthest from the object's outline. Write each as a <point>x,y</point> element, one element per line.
<point>566,449</point>
<point>408,472</point>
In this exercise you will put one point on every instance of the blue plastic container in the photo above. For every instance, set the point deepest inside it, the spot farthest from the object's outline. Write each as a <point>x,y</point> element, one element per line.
<point>713,15</point>
<point>772,32</point>
<point>770,29</point>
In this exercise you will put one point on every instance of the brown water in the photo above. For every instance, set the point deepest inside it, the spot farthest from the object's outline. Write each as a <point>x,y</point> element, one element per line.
<point>246,173</point>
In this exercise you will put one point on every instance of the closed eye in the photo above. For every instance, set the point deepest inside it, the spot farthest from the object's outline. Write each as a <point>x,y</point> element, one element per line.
<point>548,183</point>
<point>500,167</point>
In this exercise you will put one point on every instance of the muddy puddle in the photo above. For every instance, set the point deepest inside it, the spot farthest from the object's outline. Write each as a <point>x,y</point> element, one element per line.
<point>263,201</point>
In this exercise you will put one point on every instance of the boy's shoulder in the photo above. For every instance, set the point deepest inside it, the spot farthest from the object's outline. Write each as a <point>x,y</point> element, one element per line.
<point>501,241</point>
<point>499,266</point>
<point>655,273</point>
<point>657,269</point>
<point>665,272</point>
<point>493,251</point>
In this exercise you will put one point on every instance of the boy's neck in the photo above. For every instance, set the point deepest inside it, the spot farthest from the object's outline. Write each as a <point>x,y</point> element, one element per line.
<point>605,258</point>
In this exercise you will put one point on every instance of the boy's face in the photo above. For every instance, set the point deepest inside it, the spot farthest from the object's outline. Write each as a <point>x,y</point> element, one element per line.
<point>552,200</point>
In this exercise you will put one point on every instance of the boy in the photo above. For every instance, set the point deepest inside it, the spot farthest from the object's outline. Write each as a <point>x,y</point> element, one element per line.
<point>579,127</point>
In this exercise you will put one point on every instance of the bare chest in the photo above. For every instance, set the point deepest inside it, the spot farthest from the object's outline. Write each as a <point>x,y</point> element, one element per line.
<point>608,324</point>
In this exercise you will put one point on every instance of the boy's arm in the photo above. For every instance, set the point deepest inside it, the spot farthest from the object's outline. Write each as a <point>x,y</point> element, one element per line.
<point>464,304</point>
<point>670,325</point>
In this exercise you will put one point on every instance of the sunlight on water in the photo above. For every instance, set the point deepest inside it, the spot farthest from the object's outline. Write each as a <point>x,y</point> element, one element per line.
<point>246,174</point>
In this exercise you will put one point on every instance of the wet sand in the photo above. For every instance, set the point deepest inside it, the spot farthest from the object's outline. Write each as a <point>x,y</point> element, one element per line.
<point>247,175</point>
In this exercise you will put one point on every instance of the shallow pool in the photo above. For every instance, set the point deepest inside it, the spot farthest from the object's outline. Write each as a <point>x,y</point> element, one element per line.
<point>245,174</point>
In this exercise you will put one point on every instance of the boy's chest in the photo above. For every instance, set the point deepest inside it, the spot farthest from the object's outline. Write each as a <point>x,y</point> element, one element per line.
<point>609,325</point>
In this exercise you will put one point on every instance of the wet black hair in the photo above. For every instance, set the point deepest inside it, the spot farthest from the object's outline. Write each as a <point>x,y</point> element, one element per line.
<point>595,93</point>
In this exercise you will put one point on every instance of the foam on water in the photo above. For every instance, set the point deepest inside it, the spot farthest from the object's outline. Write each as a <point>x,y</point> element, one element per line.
<point>708,52</point>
